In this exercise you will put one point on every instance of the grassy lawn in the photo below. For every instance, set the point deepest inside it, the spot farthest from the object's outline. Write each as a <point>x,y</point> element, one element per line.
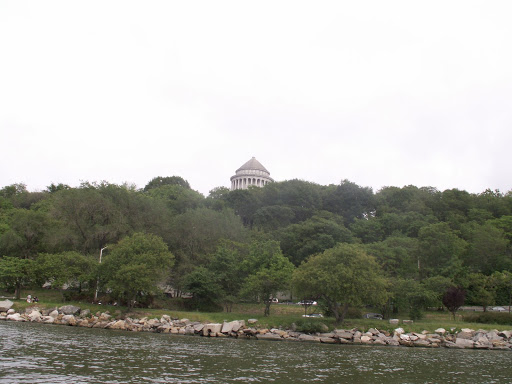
<point>282,315</point>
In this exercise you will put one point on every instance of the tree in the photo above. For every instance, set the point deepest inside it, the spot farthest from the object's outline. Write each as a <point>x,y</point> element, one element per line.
<point>453,299</point>
<point>342,276</point>
<point>481,290</point>
<point>268,272</point>
<point>349,200</point>
<point>67,268</point>
<point>440,251</point>
<point>15,273</point>
<point>202,284</point>
<point>314,235</point>
<point>169,180</point>
<point>135,266</point>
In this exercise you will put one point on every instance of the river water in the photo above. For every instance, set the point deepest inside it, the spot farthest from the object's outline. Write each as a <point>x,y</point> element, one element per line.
<point>40,353</point>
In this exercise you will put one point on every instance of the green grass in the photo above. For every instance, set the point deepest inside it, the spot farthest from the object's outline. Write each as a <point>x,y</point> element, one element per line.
<point>282,315</point>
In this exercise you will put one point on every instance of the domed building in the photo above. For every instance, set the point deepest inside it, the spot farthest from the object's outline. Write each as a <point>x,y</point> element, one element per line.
<point>251,173</point>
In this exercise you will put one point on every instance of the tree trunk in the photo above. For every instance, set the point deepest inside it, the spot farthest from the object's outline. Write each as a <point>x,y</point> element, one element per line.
<point>17,290</point>
<point>267,307</point>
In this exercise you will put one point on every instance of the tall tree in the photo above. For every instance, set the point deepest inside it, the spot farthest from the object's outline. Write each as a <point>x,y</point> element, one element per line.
<point>342,276</point>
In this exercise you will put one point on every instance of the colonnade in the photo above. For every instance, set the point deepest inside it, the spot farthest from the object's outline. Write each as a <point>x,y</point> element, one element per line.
<point>245,182</point>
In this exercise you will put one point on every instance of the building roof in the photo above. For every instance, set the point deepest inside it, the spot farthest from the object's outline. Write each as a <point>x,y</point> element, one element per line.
<point>253,164</point>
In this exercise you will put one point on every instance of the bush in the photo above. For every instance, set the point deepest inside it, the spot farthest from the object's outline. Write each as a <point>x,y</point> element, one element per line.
<point>488,318</point>
<point>310,326</point>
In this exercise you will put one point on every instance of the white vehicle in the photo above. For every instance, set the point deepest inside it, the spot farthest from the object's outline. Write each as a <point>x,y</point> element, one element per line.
<point>498,309</point>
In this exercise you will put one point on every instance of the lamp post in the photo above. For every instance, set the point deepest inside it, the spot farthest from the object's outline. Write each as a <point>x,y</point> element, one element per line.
<point>98,280</point>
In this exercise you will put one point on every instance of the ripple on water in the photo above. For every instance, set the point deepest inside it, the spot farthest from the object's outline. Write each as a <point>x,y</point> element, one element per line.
<point>54,354</point>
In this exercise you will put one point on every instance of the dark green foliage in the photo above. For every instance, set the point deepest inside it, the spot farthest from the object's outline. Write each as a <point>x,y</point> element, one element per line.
<point>310,326</point>
<point>488,318</point>
<point>170,180</point>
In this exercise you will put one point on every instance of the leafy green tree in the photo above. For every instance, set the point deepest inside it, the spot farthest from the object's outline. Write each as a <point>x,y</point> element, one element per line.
<point>204,287</point>
<point>70,269</point>
<point>349,200</point>
<point>273,217</point>
<point>135,266</point>
<point>268,272</point>
<point>440,251</point>
<point>15,273</point>
<point>177,198</point>
<point>503,288</point>
<point>397,255</point>
<point>481,290</point>
<point>342,276</point>
<point>312,236</point>
<point>225,265</point>
<point>160,181</point>
<point>487,250</point>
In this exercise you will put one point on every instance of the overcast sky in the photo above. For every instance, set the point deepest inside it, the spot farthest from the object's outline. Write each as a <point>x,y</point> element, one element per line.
<point>383,93</point>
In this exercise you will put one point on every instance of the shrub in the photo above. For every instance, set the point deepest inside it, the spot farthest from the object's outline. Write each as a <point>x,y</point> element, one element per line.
<point>310,326</point>
<point>488,318</point>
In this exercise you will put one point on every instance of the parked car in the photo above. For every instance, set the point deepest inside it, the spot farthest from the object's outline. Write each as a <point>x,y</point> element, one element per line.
<point>375,316</point>
<point>275,300</point>
<point>314,315</point>
<point>498,309</point>
<point>307,302</point>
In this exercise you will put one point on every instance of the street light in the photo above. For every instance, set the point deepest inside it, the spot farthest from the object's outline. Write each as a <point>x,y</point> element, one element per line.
<point>98,280</point>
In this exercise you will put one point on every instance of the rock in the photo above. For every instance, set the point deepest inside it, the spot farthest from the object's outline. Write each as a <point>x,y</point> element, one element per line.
<point>85,313</point>
<point>405,337</point>
<point>440,331</point>
<point>365,339</point>
<point>252,321</point>
<point>69,319</point>
<point>11,311</point>
<point>54,314</point>
<point>211,329</point>
<point>120,324</point>
<point>5,305</point>
<point>399,331</point>
<point>464,343</point>
<point>465,335</point>
<point>342,334</point>
<point>467,330</point>
<point>15,317</point>
<point>407,321</point>
<point>304,337</point>
<point>327,340</point>
<point>35,316</point>
<point>269,336</point>
<point>394,321</point>
<point>227,327</point>
<point>505,334</point>
<point>373,331</point>
<point>493,336</point>
<point>421,343</point>
<point>47,319</point>
<point>198,327</point>
<point>69,310</point>
<point>392,342</point>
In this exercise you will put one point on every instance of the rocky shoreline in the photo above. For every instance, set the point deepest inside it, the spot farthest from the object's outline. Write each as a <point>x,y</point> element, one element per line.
<point>73,316</point>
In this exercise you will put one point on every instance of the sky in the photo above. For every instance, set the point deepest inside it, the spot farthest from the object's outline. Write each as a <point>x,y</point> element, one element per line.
<point>382,93</point>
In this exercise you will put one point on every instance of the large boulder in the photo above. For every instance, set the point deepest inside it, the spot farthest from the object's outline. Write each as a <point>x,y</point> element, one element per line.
<point>5,305</point>
<point>69,310</point>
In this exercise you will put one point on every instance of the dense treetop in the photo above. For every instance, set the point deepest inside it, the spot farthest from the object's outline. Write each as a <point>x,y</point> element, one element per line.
<point>412,233</point>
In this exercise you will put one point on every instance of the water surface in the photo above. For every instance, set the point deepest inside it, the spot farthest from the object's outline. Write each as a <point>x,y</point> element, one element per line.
<point>40,353</point>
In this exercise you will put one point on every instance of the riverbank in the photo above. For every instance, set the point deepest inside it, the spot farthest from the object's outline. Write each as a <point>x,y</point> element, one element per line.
<point>71,315</point>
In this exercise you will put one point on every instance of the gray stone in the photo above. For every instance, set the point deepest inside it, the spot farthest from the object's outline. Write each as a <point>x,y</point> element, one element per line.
<point>399,331</point>
<point>421,343</point>
<point>69,310</point>
<point>212,329</point>
<point>11,311</point>
<point>440,331</point>
<point>327,340</point>
<point>252,321</point>
<point>227,327</point>
<point>35,316</point>
<point>15,317</point>
<point>344,334</point>
<point>304,337</point>
<point>68,319</point>
<point>54,313</point>
<point>365,339</point>
<point>269,336</point>
<point>85,313</point>
<point>464,343</point>
<point>5,305</point>
<point>465,335</point>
